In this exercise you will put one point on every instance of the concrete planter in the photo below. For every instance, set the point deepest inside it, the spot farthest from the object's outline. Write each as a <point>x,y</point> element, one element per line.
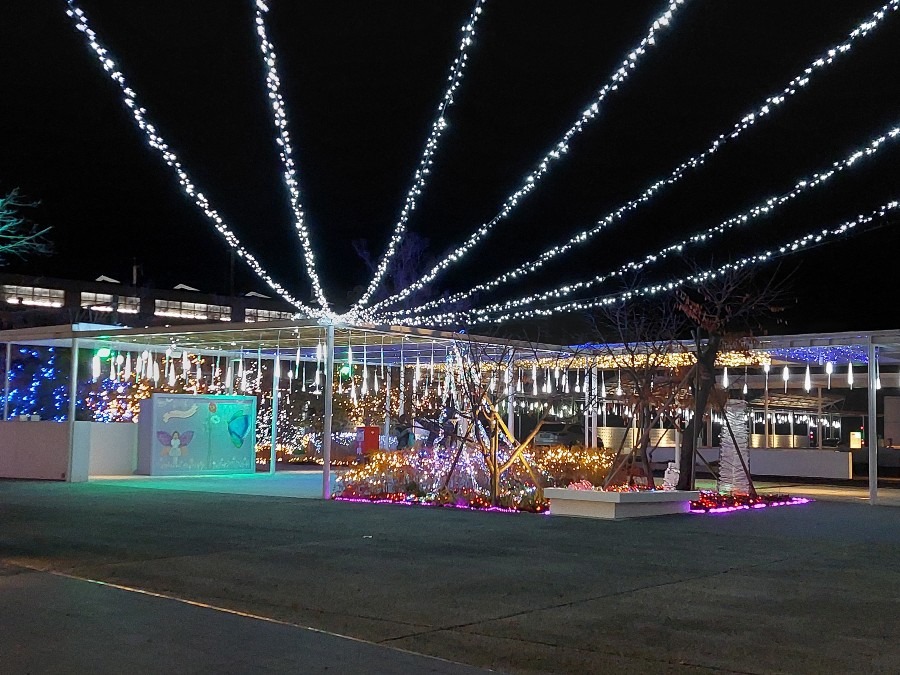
<point>618,505</point>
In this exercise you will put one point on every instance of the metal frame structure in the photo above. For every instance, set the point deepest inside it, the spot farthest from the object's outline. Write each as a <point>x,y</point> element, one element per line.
<point>401,346</point>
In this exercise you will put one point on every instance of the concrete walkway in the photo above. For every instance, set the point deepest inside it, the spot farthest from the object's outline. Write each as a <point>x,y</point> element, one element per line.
<point>56,624</point>
<point>802,589</point>
<point>306,484</point>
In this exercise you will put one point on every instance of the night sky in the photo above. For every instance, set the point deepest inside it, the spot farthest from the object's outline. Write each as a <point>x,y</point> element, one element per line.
<point>362,81</point>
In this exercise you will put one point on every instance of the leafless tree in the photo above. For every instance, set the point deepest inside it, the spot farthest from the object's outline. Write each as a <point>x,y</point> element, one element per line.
<point>723,313</point>
<point>18,237</point>
<point>640,337</point>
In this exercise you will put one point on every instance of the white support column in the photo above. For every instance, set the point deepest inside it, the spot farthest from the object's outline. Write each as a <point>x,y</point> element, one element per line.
<point>511,398</point>
<point>387,407</point>
<point>73,407</point>
<point>819,425</point>
<point>595,389</point>
<point>329,396</point>
<point>6,382</point>
<point>276,376</point>
<point>402,382</point>
<point>872,426</point>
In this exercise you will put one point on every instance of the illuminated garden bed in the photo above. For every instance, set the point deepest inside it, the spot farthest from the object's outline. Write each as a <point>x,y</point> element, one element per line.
<point>716,502</point>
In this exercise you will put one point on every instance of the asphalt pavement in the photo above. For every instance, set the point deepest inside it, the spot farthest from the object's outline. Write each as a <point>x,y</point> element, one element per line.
<point>800,589</point>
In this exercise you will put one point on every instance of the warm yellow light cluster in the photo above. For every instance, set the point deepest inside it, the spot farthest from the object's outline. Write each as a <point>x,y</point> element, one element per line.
<point>732,359</point>
<point>564,465</point>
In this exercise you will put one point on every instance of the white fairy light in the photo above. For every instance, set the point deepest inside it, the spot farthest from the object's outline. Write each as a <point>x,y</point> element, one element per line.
<point>786,375</point>
<point>787,248</point>
<point>761,209</point>
<point>725,378</point>
<point>619,385</point>
<point>420,178</point>
<point>807,380</point>
<point>850,374</point>
<point>795,85</point>
<point>156,141</point>
<point>531,181</point>
<point>285,150</point>
<point>829,369</point>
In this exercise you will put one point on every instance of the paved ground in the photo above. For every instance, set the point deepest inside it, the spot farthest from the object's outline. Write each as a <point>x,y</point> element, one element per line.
<point>56,624</point>
<point>807,589</point>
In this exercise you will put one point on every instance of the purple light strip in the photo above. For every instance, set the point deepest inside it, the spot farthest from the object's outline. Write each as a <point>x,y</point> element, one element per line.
<point>794,501</point>
<point>403,502</point>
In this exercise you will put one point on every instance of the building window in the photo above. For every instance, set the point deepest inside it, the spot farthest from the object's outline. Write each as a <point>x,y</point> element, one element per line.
<point>253,315</point>
<point>192,310</point>
<point>32,295</point>
<point>104,302</point>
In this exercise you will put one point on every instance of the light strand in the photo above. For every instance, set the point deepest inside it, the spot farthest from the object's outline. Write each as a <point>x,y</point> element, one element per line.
<point>420,178</point>
<point>763,208</point>
<point>771,103</point>
<point>543,167</point>
<point>156,141</point>
<point>285,149</point>
<point>816,237</point>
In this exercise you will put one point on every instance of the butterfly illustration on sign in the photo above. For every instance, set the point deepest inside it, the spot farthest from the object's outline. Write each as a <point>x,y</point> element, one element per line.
<point>174,444</point>
<point>238,428</point>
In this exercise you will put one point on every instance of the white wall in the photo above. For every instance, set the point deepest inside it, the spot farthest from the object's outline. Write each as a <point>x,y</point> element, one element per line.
<point>35,450</point>
<point>801,463</point>
<point>112,448</point>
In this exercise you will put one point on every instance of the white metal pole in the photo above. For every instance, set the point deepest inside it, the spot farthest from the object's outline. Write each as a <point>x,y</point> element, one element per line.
<point>6,383</point>
<point>511,398</point>
<point>276,376</point>
<point>872,426</point>
<point>819,425</point>
<point>73,401</point>
<point>594,403</point>
<point>402,382</point>
<point>329,393</point>
<point>387,407</point>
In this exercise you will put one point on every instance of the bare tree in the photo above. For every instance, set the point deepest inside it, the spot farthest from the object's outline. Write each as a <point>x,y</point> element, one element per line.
<point>18,237</point>
<point>723,313</point>
<point>405,269</point>
<point>640,337</point>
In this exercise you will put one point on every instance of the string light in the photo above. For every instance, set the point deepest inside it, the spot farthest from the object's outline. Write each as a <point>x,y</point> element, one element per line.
<point>800,243</point>
<point>420,178</point>
<point>763,208</point>
<point>786,375</point>
<point>273,83</point>
<point>850,374</point>
<point>156,141</point>
<point>795,85</point>
<point>807,380</point>
<point>829,369</point>
<point>531,181</point>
